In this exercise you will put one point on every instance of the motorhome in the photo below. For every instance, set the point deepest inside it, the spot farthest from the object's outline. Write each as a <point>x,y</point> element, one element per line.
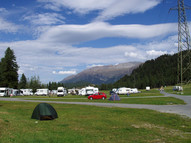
<point>43,92</point>
<point>82,91</point>
<point>4,91</point>
<point>88,90</point>
<point>91,90</point>
<point>123,90</point>
<point>26,92</point>
<point>61,91</point>
<point>134,90</point>
<point>177,88</point>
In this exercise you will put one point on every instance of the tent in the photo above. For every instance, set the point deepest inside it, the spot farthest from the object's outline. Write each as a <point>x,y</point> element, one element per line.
<point>114,96</point>
<point>44,111</point>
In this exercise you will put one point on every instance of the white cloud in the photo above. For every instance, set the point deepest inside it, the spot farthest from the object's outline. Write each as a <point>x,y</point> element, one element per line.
<point>45,19</point>
<point>80,33</point>
<point>65,72</point>
<point>94,65</point>
<point>52,56</point>
<point>131,54</point>
<point>156,53</point>
<point>8,27</point>
<point>3,10</point>
<point>107,8</point>
<point>48,58</point>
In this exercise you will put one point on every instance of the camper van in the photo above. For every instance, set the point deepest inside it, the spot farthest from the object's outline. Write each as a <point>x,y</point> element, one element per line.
<point>134,90</point>
<point>4,91</point>
<point>43,92</point>
<point>123,90</point>
<point>61,91</point>
<point>88,90</point>
<point>82,91</point>
<point>177,88</point>
<point>26,92</point>
<point>91,90</point>
<point>148,88</point>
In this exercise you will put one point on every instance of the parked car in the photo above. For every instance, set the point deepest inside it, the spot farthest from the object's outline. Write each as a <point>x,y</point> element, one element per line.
<point>99,95</point>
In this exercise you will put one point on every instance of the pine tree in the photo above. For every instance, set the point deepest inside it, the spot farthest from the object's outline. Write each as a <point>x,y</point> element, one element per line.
<point>23,82</point>
<point>9,69</point>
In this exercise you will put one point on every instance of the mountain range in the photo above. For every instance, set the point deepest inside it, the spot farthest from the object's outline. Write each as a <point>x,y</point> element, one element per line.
<point>102,74</point>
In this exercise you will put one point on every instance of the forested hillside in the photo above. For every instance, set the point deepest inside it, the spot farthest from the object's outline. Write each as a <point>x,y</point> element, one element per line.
<point>154,73</point>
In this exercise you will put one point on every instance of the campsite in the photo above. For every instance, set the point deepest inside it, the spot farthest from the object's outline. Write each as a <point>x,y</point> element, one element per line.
<point>85,123</point>
<point>80,123</point>
<point>86,71</point>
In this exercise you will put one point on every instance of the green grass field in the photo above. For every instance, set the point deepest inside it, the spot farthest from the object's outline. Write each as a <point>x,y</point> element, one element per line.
<point>81,124</point>
<point>150,101</point>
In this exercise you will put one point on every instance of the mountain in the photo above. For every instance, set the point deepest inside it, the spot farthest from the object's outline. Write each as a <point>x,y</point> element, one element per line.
<point>102,74</point>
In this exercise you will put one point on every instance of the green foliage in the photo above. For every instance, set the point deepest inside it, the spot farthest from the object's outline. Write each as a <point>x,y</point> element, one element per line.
<point>34,83</point>
<point>154,73</point>
<point>54,85</point>
<point>23,82</point>
<point>8,70</point>
<point>80,84</point>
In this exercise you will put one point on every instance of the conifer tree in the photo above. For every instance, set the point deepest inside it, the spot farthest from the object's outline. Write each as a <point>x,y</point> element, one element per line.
<point>23,82</point>
<point>8,70</point>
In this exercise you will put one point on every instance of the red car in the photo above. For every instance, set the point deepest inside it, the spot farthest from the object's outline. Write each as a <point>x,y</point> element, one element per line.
<point>99,95</point>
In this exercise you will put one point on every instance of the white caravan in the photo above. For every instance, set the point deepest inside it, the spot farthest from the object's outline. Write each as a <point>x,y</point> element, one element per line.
<point>42,92</point>
<point>91,90</point>
<point>4,91</point>
<point>82,91</point>
<point>61,91</point>
<point>26,92</point>
<point>123,90</point>
<point>134,90</point>
<point>88,90</point>
<point>148,88</point>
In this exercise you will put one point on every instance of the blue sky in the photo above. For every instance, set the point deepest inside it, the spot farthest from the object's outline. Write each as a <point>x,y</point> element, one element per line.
<point>54,39</point>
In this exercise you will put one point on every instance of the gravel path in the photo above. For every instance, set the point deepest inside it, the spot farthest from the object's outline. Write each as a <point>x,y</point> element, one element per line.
<point>184,110</point>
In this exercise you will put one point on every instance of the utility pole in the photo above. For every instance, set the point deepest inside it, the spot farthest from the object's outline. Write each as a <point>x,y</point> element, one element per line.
<point>184,53</point>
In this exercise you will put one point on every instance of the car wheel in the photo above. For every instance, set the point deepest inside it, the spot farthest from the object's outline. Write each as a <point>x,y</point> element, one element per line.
<point>91,98</point>
<point>103,98</point>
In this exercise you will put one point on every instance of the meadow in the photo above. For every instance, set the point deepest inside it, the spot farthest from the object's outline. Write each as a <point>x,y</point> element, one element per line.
<point>81,124</point>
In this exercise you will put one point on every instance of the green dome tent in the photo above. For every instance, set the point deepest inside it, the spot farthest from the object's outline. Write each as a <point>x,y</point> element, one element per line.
<point>44,111</point>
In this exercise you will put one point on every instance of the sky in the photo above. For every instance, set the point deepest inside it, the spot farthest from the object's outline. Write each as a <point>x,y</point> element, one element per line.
<point>54,39</point>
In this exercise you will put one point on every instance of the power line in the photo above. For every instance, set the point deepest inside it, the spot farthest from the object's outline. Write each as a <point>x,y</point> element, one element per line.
<point>184,53</point>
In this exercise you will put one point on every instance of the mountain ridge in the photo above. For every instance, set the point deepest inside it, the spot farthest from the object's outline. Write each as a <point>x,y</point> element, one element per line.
<point>102,74</point>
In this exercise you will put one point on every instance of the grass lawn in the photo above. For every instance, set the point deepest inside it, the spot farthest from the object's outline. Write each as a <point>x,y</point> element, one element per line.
<point>186,90</point>
<point>81,124</point>
<point>77,123</point>
<point>151,101</point>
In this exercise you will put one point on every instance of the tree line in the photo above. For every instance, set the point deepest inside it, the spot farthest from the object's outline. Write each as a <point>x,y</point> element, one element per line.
<point>155,73</point>
<point>9,75</point>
